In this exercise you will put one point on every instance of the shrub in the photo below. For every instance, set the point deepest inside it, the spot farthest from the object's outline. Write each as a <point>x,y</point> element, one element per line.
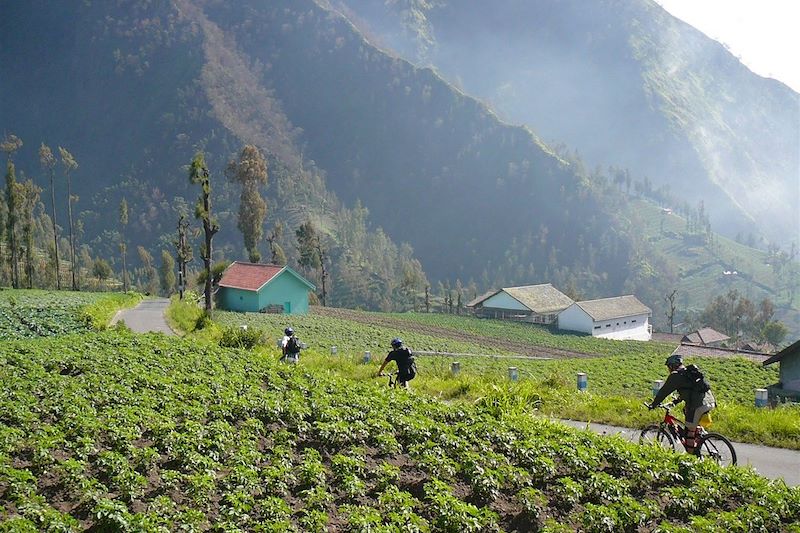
<point>240,338</point>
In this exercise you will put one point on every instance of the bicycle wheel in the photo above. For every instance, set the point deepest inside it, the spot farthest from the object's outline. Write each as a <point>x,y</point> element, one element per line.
<point>718,448</point>
<point>655,434</point>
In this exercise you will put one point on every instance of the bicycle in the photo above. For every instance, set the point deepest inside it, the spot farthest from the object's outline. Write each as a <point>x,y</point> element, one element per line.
<point>392,378</point>
<point>671,430</point>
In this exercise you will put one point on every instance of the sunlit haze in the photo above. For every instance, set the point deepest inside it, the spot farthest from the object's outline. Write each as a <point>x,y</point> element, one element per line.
<point>763,34</point>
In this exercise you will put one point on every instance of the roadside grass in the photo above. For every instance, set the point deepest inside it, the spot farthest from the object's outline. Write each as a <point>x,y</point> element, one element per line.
<point>99,314</point>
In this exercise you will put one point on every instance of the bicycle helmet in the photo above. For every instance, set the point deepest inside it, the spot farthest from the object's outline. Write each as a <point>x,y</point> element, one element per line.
<point>674,361</point>
<point>289,331</point>
<point>396,343</point>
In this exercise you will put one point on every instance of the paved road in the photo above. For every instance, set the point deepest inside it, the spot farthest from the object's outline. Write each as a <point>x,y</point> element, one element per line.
<point>773,463</point>
<point>145,317</point>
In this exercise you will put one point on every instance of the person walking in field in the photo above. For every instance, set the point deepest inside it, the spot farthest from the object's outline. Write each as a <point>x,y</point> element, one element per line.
<point>406,366</point>
<point>692,388</point>
<point>290,347</point>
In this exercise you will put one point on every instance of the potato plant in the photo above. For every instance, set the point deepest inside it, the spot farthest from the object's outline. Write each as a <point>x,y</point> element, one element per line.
<point>150,433</point>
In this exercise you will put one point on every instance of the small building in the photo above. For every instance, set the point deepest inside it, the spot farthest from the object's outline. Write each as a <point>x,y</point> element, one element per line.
<point>538,304</point>
<point>620,317</point>
<point>705,337</point>
<point>251,287</point>
<point>788,386</point>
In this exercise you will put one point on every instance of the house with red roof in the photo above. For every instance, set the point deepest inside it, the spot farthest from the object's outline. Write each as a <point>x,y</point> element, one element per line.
<point>252,287</point>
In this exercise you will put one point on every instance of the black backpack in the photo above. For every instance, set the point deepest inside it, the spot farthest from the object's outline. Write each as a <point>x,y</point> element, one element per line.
<point>698,379</point>
<point>408,370</point>
<point>292,345</point>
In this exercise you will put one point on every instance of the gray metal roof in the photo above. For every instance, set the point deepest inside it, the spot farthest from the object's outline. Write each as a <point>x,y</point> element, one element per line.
<point>540,299</point>
<point>616,307</point>
<point>705,336</point>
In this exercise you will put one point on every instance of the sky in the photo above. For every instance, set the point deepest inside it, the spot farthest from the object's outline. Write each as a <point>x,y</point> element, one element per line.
<point>763,34</point>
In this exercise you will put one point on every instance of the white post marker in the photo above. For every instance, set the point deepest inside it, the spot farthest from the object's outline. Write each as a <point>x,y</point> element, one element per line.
<point>334,350</point>
<point>583,382</point>
<point>455,367</point>
<point>367,357</point>
<point>657,384</point>
<point>243,327</point>
<point>513,373</point>
<point>762,395</point>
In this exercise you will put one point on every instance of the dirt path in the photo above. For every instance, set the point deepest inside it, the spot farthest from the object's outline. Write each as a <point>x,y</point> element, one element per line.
<point>493,343</point>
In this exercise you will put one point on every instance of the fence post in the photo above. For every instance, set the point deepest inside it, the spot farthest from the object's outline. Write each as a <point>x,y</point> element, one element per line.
<point>367,357</point>
<point>583,382</point>
<point>513,373</point>
<point>657,384</point>
<point>762,396</point>
<point>455,367</point>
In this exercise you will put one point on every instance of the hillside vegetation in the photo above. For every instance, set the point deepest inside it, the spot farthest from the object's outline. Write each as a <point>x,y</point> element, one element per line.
<point>409,177</point>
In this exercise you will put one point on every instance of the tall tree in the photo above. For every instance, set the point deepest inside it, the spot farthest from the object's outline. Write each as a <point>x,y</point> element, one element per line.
<point>147,275</point>
<point>670,312</point>
<point>9,145</point>
<point>123,246</point>
<point>312,253</point>
<point>13,201</point>
<point>251,173</point>
<point>277,255</point>
<point>198,174</point>
<point>69,164</point>
<point>30,198</point>
<point>183,253</point>
<point>48,162</point>
<point>167,273</point>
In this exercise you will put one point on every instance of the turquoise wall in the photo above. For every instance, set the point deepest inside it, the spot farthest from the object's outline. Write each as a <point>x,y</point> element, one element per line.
<point>238,300</point>
<point>284,289</point>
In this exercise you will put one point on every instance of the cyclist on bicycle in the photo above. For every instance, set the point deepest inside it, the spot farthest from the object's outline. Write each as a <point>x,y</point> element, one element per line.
<point>698,401</point>
<point>406,367</point>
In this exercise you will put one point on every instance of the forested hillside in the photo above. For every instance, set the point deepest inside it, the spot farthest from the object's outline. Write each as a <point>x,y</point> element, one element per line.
<point>625,84</point>
<point>368,148</point>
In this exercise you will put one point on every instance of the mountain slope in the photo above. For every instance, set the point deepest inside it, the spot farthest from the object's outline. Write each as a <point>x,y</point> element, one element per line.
<point>626,84</point>
<point>371,148</point>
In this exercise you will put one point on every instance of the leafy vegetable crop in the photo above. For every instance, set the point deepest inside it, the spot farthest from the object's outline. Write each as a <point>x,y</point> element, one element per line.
<point>112,431</point>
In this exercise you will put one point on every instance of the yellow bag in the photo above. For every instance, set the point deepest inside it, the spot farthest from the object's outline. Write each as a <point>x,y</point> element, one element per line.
<point>706,421</point>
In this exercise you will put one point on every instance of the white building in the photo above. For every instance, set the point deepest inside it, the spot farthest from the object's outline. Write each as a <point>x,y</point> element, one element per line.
<point>621,317</point>
<point>539,304</point>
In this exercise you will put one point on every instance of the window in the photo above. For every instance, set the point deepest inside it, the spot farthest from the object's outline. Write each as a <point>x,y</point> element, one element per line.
<point>597,327</point>
<point>632,321</point>
<point>608,325</point>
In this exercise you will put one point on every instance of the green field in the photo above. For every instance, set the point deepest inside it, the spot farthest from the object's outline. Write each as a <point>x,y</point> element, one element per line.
<point>38,313</point>
<point>620,375</point>
<point>119,432</point>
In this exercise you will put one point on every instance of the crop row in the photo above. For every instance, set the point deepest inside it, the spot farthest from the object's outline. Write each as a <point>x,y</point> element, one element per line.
<point>37,313</point>
<point>110,431</point>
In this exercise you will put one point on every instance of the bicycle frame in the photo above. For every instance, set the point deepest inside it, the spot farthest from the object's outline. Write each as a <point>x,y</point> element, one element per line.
<point>677,428</point>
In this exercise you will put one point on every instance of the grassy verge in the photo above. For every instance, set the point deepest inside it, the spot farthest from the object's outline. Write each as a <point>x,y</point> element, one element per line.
<point>185,316</point>
<point>98,314</point>
<point>551,395</point>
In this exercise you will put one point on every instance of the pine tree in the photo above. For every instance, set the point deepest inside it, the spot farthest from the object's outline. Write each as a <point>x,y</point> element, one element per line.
<point>123,246</point>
